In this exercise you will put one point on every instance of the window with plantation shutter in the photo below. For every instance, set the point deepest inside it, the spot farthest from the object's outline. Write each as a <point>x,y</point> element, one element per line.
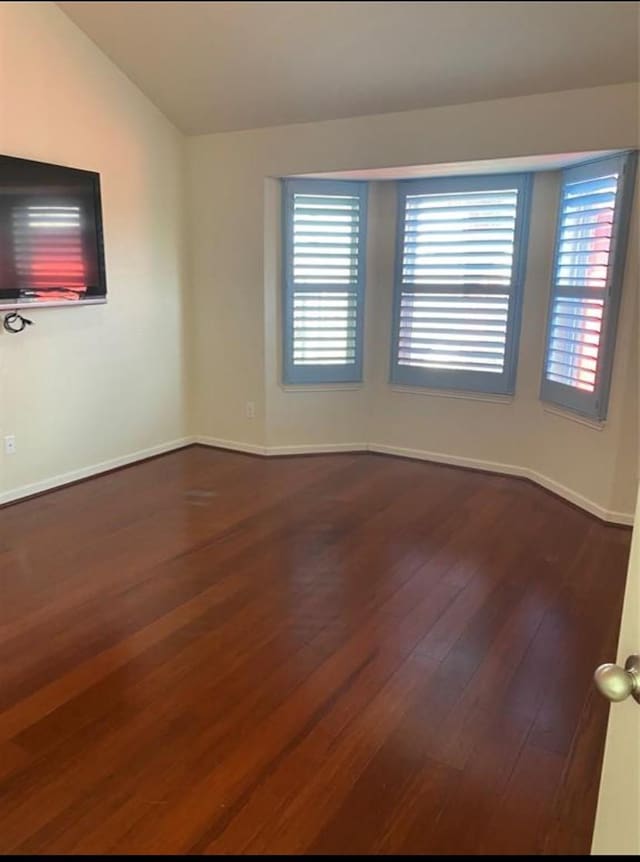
<point>459,275</point>
<point>324,272</point>
<point>595,203</point>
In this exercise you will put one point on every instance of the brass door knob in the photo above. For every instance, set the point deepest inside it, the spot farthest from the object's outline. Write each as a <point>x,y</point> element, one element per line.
<point>617,683</point>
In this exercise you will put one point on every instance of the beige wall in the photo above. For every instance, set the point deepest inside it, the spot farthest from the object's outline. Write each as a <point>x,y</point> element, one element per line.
<point>125,368</point>
<point>234,205</point>
<point>88,385</point>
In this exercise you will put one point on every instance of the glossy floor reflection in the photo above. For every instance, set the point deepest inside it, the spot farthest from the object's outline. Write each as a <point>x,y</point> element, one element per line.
<point>211,652</point>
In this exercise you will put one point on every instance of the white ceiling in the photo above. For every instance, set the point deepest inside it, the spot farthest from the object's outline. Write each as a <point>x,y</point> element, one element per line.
<point>217,66</point>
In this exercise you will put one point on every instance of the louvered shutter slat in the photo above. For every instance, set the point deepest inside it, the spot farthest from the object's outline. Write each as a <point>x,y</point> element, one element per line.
<point>576,323</point>
<point>574,342</point>
<point>324,280</point>
<point>586,280</point>
<point>323,216</point>
<point>457,283</point>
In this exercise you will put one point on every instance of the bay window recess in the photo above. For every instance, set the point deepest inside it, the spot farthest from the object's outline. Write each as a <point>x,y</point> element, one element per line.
<point>459,277</point>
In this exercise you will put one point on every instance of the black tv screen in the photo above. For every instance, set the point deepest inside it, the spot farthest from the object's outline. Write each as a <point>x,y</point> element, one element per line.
<point>51,248</point>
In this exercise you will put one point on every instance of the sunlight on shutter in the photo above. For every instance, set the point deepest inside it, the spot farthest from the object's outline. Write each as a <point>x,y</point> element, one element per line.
<point>582,267</point>
<point>325,254</point>
<point>453,242</point>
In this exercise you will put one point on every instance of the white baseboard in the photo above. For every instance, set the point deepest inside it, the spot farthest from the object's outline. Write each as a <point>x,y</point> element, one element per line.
<point>232,445</point>
<point>317,449</point>
<point>92,470</point>
<point>271,451</point>
<point>443,458</point>
<point>613,517</point>
<point>623,518</point>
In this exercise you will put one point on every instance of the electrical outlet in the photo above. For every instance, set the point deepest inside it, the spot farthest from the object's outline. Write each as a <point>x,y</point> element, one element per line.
<point>251,409</point>
<point>10,444</point>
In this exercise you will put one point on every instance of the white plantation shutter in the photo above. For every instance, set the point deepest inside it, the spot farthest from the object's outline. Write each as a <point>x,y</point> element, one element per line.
<point>593,217</point>
<point>324,271</point>
<point>459,274</point>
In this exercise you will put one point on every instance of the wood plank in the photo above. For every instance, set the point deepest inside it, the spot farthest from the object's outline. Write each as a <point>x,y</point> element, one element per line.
<point>210,652</point>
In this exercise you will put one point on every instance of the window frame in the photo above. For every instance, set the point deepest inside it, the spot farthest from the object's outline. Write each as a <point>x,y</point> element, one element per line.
<point>292,374</point>
<point>466,381</point>
<point>594,405</point>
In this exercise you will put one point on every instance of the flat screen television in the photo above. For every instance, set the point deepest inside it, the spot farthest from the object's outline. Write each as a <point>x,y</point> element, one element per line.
<point>51,246</point>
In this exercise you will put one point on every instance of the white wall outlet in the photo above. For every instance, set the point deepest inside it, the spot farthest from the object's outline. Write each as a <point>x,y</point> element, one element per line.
<point>10,444</point>
<point>250,409</point>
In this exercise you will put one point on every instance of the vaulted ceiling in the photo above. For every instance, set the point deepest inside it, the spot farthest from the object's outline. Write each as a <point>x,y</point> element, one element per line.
<point>217,66</point>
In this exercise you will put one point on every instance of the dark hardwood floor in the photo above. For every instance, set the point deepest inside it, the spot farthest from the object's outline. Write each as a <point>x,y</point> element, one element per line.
<point>211,652</point>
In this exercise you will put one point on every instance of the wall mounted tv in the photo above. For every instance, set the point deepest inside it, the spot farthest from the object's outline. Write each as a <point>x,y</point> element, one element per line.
<point>51,248</point>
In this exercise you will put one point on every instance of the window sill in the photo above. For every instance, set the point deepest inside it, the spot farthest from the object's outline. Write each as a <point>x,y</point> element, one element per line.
<point>320,387</point>
<point>594,424</point>
<point>452,393</point>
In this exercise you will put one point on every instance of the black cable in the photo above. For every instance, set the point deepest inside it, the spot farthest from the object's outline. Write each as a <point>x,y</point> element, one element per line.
<point>15,317</point>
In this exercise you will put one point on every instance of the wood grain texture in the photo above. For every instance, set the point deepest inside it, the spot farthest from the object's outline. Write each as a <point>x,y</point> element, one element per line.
<point>214,653</point>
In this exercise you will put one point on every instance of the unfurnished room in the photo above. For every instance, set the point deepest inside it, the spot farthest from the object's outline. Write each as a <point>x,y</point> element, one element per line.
<point>319,414</point>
